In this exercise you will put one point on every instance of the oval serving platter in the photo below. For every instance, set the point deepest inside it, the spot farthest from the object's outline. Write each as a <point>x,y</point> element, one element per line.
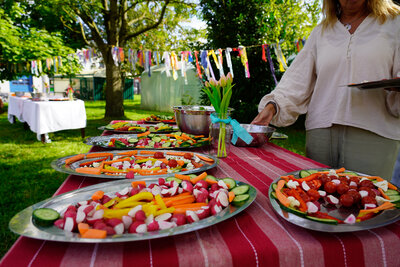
<point>149,127</point>
<point>22,224</point>
<point>70,168</point>
<point>104,141</point>
<point>386,217</point>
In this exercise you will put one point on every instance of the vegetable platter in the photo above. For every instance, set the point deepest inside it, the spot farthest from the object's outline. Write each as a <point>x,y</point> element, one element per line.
<point>159,118</point>
<point>123,210</point>
<point>339,200</point>
<point>149,140</point>
<point>134,163</point>
<point>133,127</point>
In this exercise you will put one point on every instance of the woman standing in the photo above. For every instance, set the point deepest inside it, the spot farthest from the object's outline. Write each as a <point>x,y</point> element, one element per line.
<point>357,40</point>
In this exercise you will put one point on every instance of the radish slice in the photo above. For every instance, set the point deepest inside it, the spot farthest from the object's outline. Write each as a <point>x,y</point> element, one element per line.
<point>69,224</point>
<point>369,206</point>
<point>332,200</point>
<point>163,217</point>
<point>222,199</point>
<point>80,216</point>
<point>165,225</point>
<point>127,220</point>
<point>305,186</point>
<point>141,228</point>
<point>363,193</point>
<point>153,226</point>
<point>336,181</point>
<point>311,207</point>
<point>322,193</point>
<point>350,219</point>
<point>222,184</point>
<point>191,216</point>
<point>133,211</point>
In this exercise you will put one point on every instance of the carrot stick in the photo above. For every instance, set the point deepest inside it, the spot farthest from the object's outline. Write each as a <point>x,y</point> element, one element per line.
<point>83,227</point>
<point>383,194</point>
<point>182,200</point>
<point>129,153</point>
<point>183,210</point>
<point>281,197</point>
<point>182,176</point>
<point>72,159</point>
<point>141,157</point>
<point>392,186</point>
<point>340,170</point>
<point>384,206</point>
<point>198,178</point>
<point>296,195</point>
<point>97,195</point>
<point>147,152</point>
<point>173,153</point>
<point>204,158</point>
<point>191,205</point>
<point>96,155</point>
<point>308,178</point>
<point>94,233</point>
<point>209,181</point>
<point>379,179</point>
<point>188,137</point>
<point>88,170</point>
<point>91,162</point>
<point>180,195</point>
<point>143,134</point>
<point>136,183</point>
<point>231,196</point>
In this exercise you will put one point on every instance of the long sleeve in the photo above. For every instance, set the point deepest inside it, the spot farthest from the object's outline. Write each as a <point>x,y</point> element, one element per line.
<point>393,98</point>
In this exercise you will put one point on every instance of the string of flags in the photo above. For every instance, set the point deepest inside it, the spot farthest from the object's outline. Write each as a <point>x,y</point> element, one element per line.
<point>200,59</point>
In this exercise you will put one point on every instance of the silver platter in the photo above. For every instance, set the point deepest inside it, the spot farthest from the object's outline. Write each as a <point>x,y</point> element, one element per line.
<point>384,218</point>
<point>174,129</point>
<point>102,141</point>
<point>21,223</point>
<point>59,165</point>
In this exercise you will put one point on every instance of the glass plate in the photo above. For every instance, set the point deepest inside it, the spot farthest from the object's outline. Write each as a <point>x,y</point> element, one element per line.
<point>59,165</point>
<point>384,218</point>
<point>102,141</point>
<point>21,223</point>
<point>389,83</point>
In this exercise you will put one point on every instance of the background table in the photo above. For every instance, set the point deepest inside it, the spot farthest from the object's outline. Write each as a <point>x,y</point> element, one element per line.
<point>48,116</point>
<point>255,237</point>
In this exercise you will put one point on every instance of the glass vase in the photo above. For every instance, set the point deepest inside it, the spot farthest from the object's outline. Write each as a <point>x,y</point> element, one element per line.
<point>71,96</point>
<point>220,136</point>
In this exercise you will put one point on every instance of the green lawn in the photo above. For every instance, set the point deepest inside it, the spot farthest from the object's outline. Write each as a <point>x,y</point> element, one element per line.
<point>25,173</point>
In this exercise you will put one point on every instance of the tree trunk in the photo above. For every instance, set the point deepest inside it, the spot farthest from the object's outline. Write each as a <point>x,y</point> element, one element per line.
<point>114,89</point>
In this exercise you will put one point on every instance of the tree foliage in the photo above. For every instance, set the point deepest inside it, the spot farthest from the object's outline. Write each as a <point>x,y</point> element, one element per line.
<point>252,23</point>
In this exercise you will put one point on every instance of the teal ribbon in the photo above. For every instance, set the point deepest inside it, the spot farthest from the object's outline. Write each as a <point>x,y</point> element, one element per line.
<point>238,131</point>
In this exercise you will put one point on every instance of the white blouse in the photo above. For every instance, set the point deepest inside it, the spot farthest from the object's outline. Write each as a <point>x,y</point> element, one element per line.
<point>330,59</point>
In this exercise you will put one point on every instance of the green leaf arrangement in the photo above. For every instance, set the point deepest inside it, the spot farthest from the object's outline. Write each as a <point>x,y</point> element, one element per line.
<point>220,93</point>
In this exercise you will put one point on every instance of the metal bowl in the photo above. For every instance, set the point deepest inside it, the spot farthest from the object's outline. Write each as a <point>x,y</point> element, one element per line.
<point>260,133</point>
<point>193,119</point>
<point>19,94</point>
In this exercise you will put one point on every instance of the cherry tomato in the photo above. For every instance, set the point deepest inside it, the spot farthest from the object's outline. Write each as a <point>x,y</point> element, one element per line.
<point>371,192</point>
<point>346,200</point>
<point>313,194</point>
<point>368,200</point>
<point>172,163</point>
<point>304,196</point>
<point>355,179</point>
<point>344,180</point>
<point>188,156</point>
<point>330,187</point>
<point>324,178</point>
<point>342,188</point>
<point>366,183</point>
<point>158,155</point>
<point>356,196</point>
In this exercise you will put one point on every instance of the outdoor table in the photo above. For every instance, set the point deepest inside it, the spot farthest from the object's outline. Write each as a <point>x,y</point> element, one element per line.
<point>255,237</point>
<point>44,117</point>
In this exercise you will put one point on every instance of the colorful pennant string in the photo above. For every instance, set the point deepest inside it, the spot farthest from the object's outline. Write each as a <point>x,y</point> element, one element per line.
<point>245,62</point>
<point>228,59</point>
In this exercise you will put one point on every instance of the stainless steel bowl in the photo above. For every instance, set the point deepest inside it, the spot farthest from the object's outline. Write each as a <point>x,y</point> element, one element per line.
<point>261,134</point>
<point>193,119</point>
<point>19,94</point>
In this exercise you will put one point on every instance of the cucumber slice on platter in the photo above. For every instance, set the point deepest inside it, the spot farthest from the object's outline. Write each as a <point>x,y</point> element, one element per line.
<point>304,173</point>
<point>350,173</point>
<point>230,182</point>
<point>391,192</point>
<point>394,198</point>
<point>210,177</point>
<point>328,221</point>
<point>294,211</point>
<point>274,186</point>
<point>169,179</point>
<point>45,217</point>
<point>192,175</point>
<point>240,199</point>
<point>241,189</point>
<point>133,140</point>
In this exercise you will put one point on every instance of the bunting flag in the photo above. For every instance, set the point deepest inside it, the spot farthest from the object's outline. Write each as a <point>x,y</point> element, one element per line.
<point>55,65</point>
<point>121,54</point>
<point>245,62</point>
<point>280,57</point>
<point>210,69</point>
<point>220,62</point>
<point>198,65</point>
<point>174,67</point>
<point>183,66</point>
<point>228,59</point>
<point>204,63</point>
<point>263,53</point>
<point>190,57</point>
<point>40,67</point>
<point>167,64</point>
<point>271,65</point>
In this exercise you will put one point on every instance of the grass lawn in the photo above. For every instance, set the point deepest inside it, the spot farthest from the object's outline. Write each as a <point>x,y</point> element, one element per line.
<point>25,173</point>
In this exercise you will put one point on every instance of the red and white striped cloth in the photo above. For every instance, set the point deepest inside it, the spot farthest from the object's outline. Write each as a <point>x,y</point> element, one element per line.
<point>255,237</point>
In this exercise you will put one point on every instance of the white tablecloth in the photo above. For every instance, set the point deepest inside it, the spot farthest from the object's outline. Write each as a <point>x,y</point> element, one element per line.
<point>48,116</point>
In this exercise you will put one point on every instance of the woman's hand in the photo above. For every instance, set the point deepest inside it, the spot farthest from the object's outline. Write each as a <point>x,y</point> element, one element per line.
<point>265,116</point>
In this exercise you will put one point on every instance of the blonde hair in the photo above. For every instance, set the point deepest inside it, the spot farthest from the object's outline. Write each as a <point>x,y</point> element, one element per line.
<point>379,9</point>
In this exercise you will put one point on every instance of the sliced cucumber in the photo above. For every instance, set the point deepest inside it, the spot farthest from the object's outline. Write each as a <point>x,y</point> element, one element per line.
<point>240,199</point>
<point>328,221</point>
<point>45,216</point>
<point>394,198</point>
<point>304,173</point>
<point>166,144</point>
<point>192,175</point>
<point>274,186</point>
<point>133,140</point>
<point>273,194</point>
<point>312,171</point>
<point>210,177</point>
<point>294,211</point>
<point>109,127</point>
<point>391,192</point>
<point>241,189</point>
<point>156,139</point>
<point>350,173</point>
<point>230,182</point>
<point>169,179</point>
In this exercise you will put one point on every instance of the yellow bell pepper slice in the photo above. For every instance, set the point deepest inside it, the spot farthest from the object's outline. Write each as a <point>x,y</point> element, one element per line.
<point>138,197</point>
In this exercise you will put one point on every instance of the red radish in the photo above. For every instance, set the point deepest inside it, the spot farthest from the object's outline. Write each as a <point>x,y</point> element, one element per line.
<point>180,190</point>
<point>127,220</point>
<point>109,229</point>
<point>105,199</point>
<point>161,181</point>
<point>141,186</point>
<point>156,190</point>
<point>179,219</point>
<point>149,219</point>
<point>140,215</point>
<point>89,210</point>
<point>130,175</point>
<point>59,223</point>
<point>196,192</point>
<point>80,216</point>
<point>98,214</point>
<point>163,217</point>
<point>82,203</point>
<point>141,228</point>
<point>322,193</point>
<point>124,191</point>
<point>201,184</point>
<point>134,226</point>
<point>215,209</point>
<point>369,206</point>
<point>222,184</point>
<point>153,226</point>
<point>71,208</point>
<point>202,197</point>
<point>214,187</point>
<point>174,190</point>
<point>204,212</point>
<point>350,219</point>
<point>69,224</point>
<point>363,193</point>
<point>222,199</point>
<point>187,186</point>
<point>311,207</point>
<point>101,225</point>
<point>117,225</point>
<point>165,225</point>
<point>93,221</point>
<point>133,211</point>
<point>70,213</point>
<point>191,216</point>
<point>336,181</point>
<point>165,193</point>
<point>332,200</point>
<point>152,185</point>
<point>134,191</point>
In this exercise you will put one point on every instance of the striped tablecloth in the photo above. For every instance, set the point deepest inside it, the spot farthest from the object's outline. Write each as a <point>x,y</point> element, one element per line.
<point>255,237</point>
